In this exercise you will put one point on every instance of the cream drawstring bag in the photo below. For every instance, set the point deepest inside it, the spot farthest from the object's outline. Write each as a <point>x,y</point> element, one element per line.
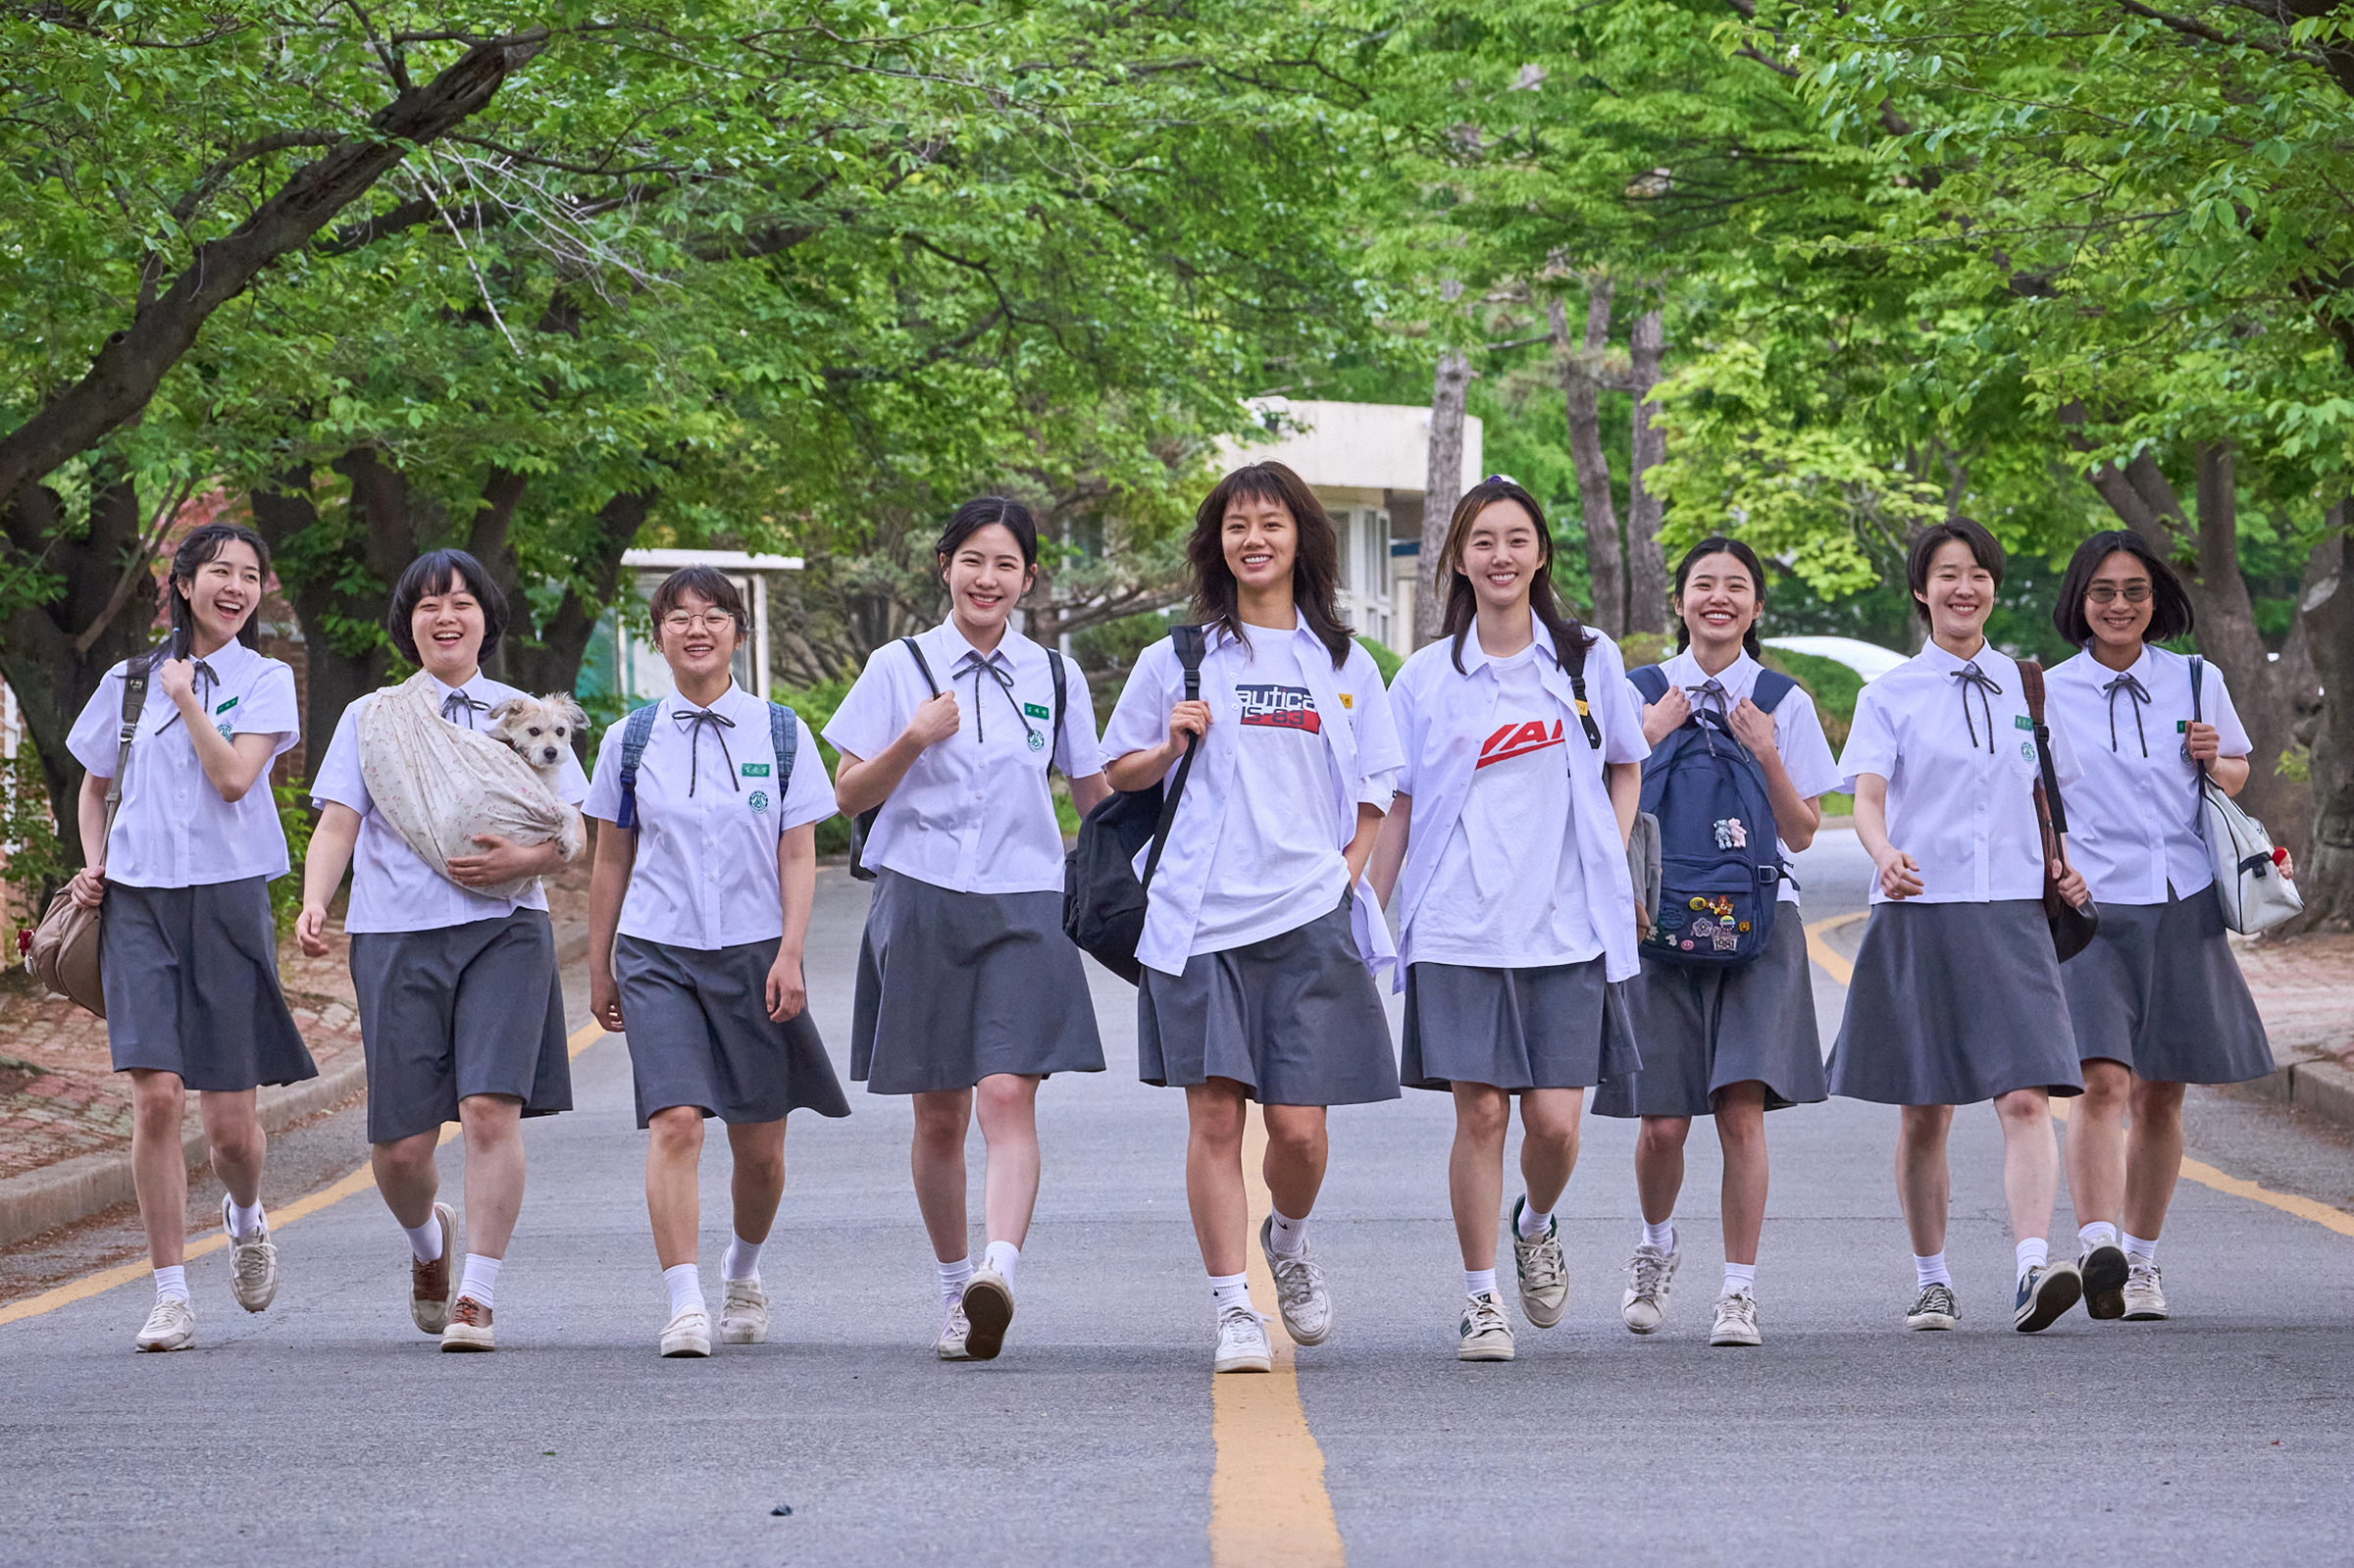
<point>438,785</point>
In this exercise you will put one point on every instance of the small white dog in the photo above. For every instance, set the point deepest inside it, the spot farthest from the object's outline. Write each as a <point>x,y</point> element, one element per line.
<point>540,731</point>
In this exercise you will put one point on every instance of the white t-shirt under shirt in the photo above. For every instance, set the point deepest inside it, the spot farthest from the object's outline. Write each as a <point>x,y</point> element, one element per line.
<point>1484,909</point>
<point>1278,866</point>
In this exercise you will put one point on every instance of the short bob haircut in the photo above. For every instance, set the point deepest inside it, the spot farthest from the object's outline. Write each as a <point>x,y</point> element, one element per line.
<point>1463,599</point>
<point>439,572</point>
<point>708,583</point>
<point>1315,564</point>
<point>1723,545</point>
<point>979,513</point>
<point>2170,604</point>
<point>1925,544</point>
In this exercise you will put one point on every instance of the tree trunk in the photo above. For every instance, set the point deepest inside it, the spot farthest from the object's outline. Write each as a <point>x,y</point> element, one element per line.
<point>1442,487</point>
<point>1581,397</point>
<point>1646,565</point>
<point>548,657</point>
<point>2325,870</point>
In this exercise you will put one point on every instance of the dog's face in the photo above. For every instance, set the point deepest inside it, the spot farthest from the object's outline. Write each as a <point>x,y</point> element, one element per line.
<point>540,729</point>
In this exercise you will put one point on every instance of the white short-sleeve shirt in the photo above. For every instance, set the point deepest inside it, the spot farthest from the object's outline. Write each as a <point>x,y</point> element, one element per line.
<point>391,887</point>
<point>1960,785</point>
<point>173,829</point>
<point>2131,821</point>
<point>1798,735</point>
<point>975,812</point>
<point>710,809</point>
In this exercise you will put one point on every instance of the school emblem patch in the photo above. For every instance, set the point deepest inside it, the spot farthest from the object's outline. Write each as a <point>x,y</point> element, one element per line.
<point>223,729</point>
<point>758,801</point>
<point>1037,742</point>
<point>2026,749</point>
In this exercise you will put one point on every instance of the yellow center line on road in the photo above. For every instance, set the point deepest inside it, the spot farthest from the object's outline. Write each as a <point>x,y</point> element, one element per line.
<point>1818,948</point>
<point>1268,1501</point>
<point>359,1180</point>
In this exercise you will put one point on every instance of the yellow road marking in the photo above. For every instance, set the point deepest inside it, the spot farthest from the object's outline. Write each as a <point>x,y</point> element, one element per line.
<point>359,1180</point>
<point>1268,1501</point>
<point>1820,949</point>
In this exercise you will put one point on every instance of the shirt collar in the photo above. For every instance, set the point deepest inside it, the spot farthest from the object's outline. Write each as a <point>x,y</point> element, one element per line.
<point>727,706</point>
<point>958,653</point>
<point>474,689</point>
<point>1478,658</point>
<point>229,662</point>
<point>1685,670</point>
<point>1934,658</point>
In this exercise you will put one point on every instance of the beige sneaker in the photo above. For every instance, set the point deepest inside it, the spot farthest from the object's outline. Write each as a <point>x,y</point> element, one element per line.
<point>1300,1293</point>
<point>988,1313</point>
<point>428,1283</point>
<point>1736,1320</point>
<point>1483,1334</point>
<point>2145,1298</point>
<point>1649,1273</point>
<point>687,1335</point>
<point>468,1327</point>
<point>1544,1271</point>
<point>954,1333</point>
<point>1243,1342</point>
<point>172,1326</point>
<point>744,1313</point>
<point>252,1264</point>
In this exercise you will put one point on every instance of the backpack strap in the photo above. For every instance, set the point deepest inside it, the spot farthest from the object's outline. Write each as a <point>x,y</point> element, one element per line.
<point>1061,695</point>
<point>1190,646</point>
<point>636,729</point>
<point>922,665</point>
<point>1650,681</point>
<point>1771,687</point>
<point>785,740</point>
<point>1572,661</point>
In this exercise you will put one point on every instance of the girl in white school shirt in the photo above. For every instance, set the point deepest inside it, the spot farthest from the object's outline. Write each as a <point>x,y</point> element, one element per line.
<point>969,994</point>
<point>1262,938</point>
<point>2157,1000</point>
<point>1727,1043</point>
<point>1955,995</point>
<point>1516,917</point>
<point>188,948</point>
<point>697,909</point>
<point>461,1014</point>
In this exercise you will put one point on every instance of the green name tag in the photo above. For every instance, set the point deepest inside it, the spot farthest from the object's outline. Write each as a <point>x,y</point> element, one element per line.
<point>2022,721</point>
<point>2181,726</point>
<point>1035,710</point>
<point>755,769</point>
<point>225,706</point>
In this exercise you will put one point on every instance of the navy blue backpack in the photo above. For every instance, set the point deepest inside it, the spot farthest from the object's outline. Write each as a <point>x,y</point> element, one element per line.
<point>1719,865</point>
<point>784,739</point>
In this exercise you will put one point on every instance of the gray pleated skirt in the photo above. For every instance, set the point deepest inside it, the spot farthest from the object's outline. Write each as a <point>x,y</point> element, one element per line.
<point>1704,1029</point>
<point>2160,992</point>
<point>1560,1026</point>
<point>699,1035</point>
<point>1955,1003</point>
<point>1293,1018</point>
<point>457,1011</point>
<point>956,986</point>
<point>190,976</point>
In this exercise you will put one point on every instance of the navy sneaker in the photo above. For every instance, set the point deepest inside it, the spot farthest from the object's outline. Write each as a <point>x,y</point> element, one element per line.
<point>2104,1270</point>
<point>2044,1293</point>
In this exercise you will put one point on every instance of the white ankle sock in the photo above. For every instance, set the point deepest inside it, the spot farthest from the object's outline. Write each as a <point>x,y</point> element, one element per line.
<point>2033,1253</point>
<point>1287,1237</point>
<point>1532,1224</point>
<point>172,1283</point>
<point>951,1279</point>
<point>1479,1282</point>
<point>742,1261</point>
<point>480,1278</point>
<point>425,1240</point>
<point>686,1286</point>
<point>2100,1232</point>
<point>1930,1269</point>
<point>243,1221</point>
<point>1661,1234</point>
<point>1741,1279</point>
<point>2136,1247</point>
<point>1003,1256</point>
<point>1230,1290</point>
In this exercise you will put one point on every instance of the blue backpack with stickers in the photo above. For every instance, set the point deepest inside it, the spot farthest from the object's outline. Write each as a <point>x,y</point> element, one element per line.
<point>784,739</point>
<point>1719,866</point>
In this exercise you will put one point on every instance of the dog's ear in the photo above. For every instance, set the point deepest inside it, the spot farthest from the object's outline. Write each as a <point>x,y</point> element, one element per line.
<point>502,711</point>
<point>564,708</point>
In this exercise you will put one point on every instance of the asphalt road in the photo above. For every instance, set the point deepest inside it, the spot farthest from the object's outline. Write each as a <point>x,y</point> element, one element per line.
<point>329,1429</point>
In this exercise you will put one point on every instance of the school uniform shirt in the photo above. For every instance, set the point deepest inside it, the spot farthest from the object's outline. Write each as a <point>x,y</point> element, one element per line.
<point>975,813</point>
<point>173,829</point>
<point>1294,746</point>
<point>710,810</point>
<point>1514,859</point>
<point>1960,785</point>
<point>393,889</point>
<point>2132,826</point>
<point>1798,735</point>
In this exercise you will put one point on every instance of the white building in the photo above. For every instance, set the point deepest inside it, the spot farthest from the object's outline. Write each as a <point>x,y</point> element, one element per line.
<point>632,667</point>
<point>1367,463</point>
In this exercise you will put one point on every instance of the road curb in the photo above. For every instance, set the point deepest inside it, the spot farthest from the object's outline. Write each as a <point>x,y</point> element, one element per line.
<point>77,1189</point>
<point>2318,1088</point>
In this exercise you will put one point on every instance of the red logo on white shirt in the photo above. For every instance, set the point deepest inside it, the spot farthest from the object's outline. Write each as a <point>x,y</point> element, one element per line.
<point>1279,708</point>
<point>1517,740</point>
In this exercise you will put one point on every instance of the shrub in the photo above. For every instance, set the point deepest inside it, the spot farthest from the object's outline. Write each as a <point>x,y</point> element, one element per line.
<point>36,864</point>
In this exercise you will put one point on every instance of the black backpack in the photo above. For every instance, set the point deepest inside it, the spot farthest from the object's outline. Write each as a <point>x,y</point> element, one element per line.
<point>1103,898</point>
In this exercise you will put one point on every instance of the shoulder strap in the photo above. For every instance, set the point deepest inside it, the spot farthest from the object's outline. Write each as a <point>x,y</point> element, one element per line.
<point>636,729</point>
<point>1650,681</point>
<point>2030,686</point>
<point>1572,661</point>
<point>1190,645</point>
<point>2198,668</point>
<point>922,664</point>
<point>785,740</point>
<point>1771,687</point>
<point>1062,696</point>
<point>135,703</point>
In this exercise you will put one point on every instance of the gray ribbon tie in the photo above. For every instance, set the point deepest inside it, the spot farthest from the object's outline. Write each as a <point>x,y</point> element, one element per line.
<point>458,705</point>
<point>1969,675</point>
<point>2125,686</point>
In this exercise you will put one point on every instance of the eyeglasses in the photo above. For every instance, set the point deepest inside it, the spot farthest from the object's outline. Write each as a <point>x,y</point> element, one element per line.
<point>2107,592</point>
<point>712,620</point>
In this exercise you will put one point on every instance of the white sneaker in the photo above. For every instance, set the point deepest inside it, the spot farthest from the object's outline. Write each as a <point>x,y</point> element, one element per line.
<point>1544,1271</point>
<point>1300,1293</point>
<point>954,1333</point>
<point>2145,1298</point>
<point>688,1333</point>
<point>252,1264</point>
<point>1649,1273</point>
<point>172,1326</point>
<point>1736,1320</point>
<point>988,1313</point>
<point>744,1313</point>
<point>1243,1342</point>
<point>1483,1334</point>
